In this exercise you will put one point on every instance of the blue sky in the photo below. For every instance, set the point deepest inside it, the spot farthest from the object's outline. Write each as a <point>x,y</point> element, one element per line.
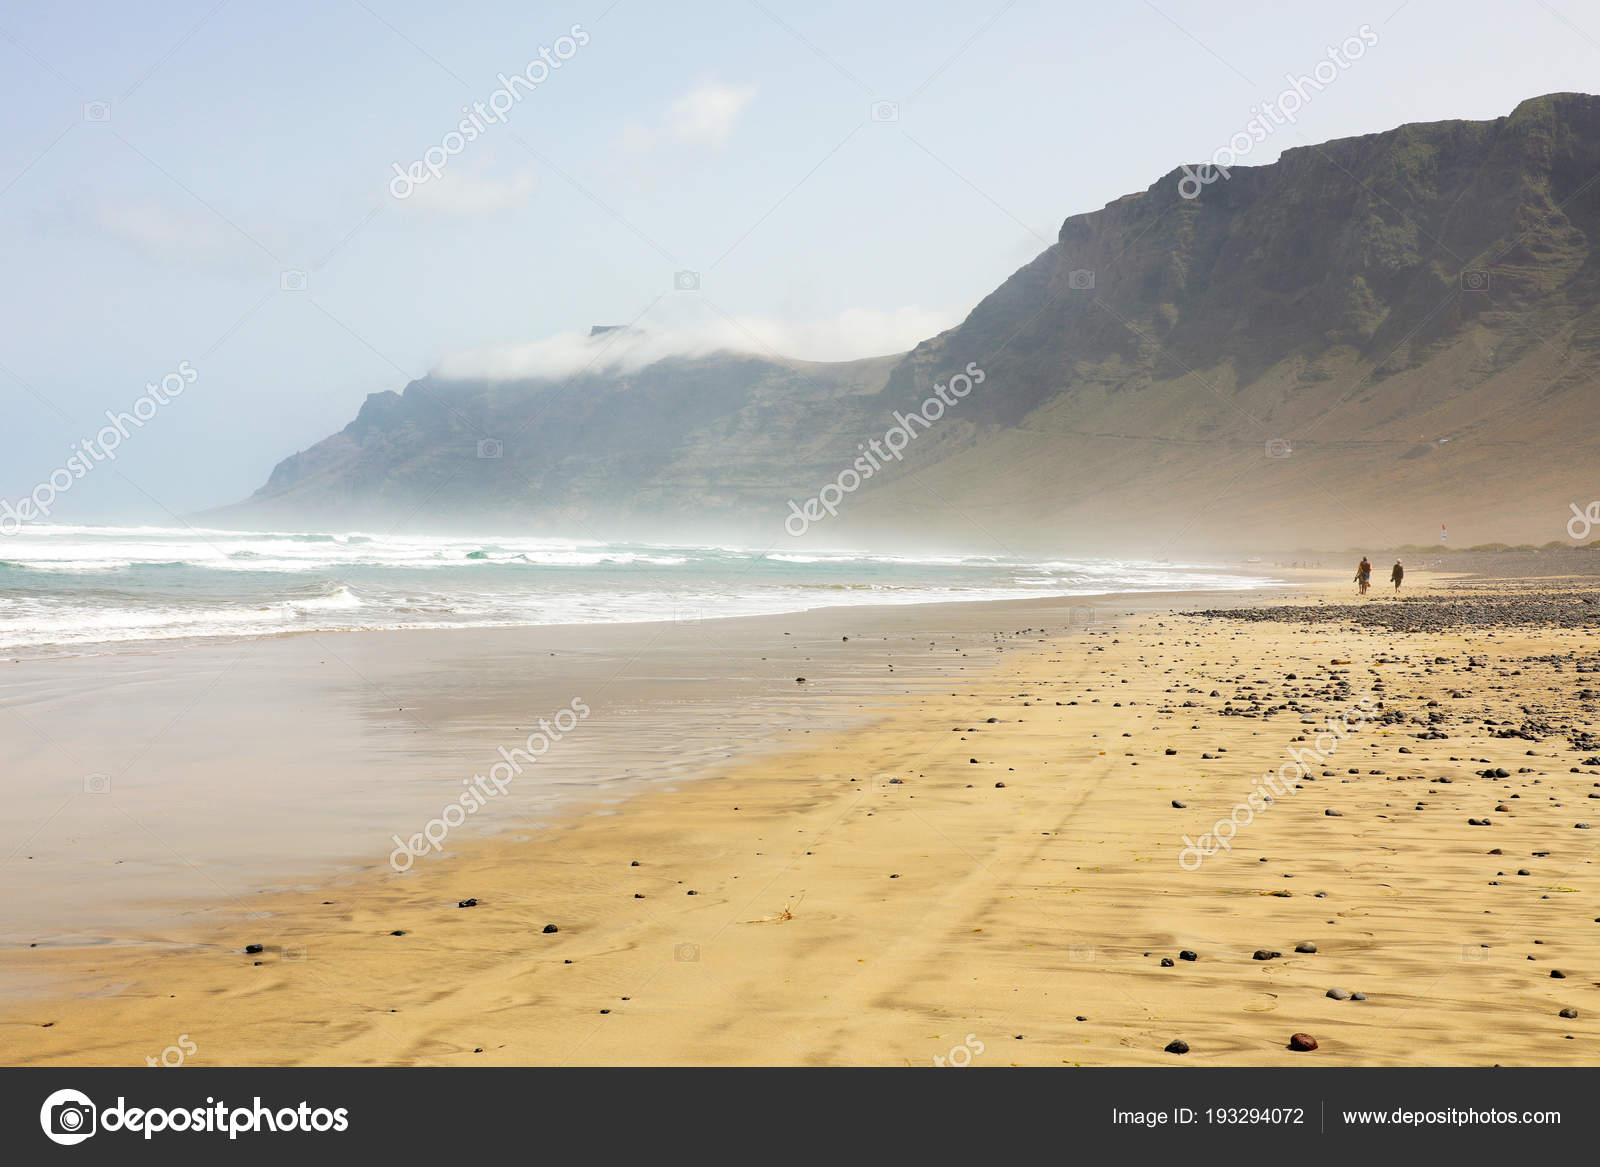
<point>165,165</point>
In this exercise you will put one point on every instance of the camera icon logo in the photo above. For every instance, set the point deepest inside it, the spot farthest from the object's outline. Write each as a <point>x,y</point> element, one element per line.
<point>68,1117</point>
<point>885,111</point>
<point>1080,280</point>
<point>686,953</point>
<point>686,281</point>
<point>1081,953</point>
<point>97,111</point>
<point>1279,448</point>
<point>97,783</point>
<point>292,952</point>
<point>293,280</point>
<point>491,448</point>
<point>1474,281</point>
<point>1473,953</point>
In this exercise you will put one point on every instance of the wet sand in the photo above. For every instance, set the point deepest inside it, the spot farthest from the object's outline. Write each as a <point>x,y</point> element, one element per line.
<point>144,787</point>
<point>929,884</point>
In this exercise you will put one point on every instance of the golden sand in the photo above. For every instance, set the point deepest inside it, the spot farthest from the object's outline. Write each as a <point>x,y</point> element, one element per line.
<point>1007,901</point>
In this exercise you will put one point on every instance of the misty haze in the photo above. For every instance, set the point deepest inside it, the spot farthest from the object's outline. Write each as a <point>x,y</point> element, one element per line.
<point>762,534</point>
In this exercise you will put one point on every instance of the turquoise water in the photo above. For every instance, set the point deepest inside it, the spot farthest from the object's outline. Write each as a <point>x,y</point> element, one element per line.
<point>72,588</point>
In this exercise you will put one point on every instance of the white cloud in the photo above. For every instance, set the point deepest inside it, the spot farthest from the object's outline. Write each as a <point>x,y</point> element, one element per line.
<point>466,194</point>
<point>703,116</point>
<point>707,112</point>
<point>855,333</point>
<point>163,231</point>
<point>157,229</point>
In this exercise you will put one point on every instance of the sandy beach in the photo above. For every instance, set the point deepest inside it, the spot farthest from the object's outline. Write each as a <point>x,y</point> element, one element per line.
<point>1001,862</point>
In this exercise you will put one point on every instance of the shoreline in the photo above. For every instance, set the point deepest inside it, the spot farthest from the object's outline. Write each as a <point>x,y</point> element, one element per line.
<point>190,795</point>
<point>96,649</point>
<point>101,591</point>
<point>1020,874</point>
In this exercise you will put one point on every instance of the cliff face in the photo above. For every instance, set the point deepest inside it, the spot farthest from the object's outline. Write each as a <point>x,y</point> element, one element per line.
<point>1352,249</point>
<point>1357,343</point>
<point>693,442</point>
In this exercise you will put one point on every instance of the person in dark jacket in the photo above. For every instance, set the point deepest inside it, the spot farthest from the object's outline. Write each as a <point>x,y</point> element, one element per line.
<point>1398,574</point>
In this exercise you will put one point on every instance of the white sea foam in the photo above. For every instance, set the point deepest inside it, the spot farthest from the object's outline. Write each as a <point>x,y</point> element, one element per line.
<point>80,588</point>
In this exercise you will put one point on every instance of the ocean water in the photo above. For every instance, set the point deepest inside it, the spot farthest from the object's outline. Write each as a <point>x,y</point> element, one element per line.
<point>87,589</point>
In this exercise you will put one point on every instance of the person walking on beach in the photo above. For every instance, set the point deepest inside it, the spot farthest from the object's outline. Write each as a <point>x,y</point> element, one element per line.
<point>1398,574</point>
<point>1364,574</point>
